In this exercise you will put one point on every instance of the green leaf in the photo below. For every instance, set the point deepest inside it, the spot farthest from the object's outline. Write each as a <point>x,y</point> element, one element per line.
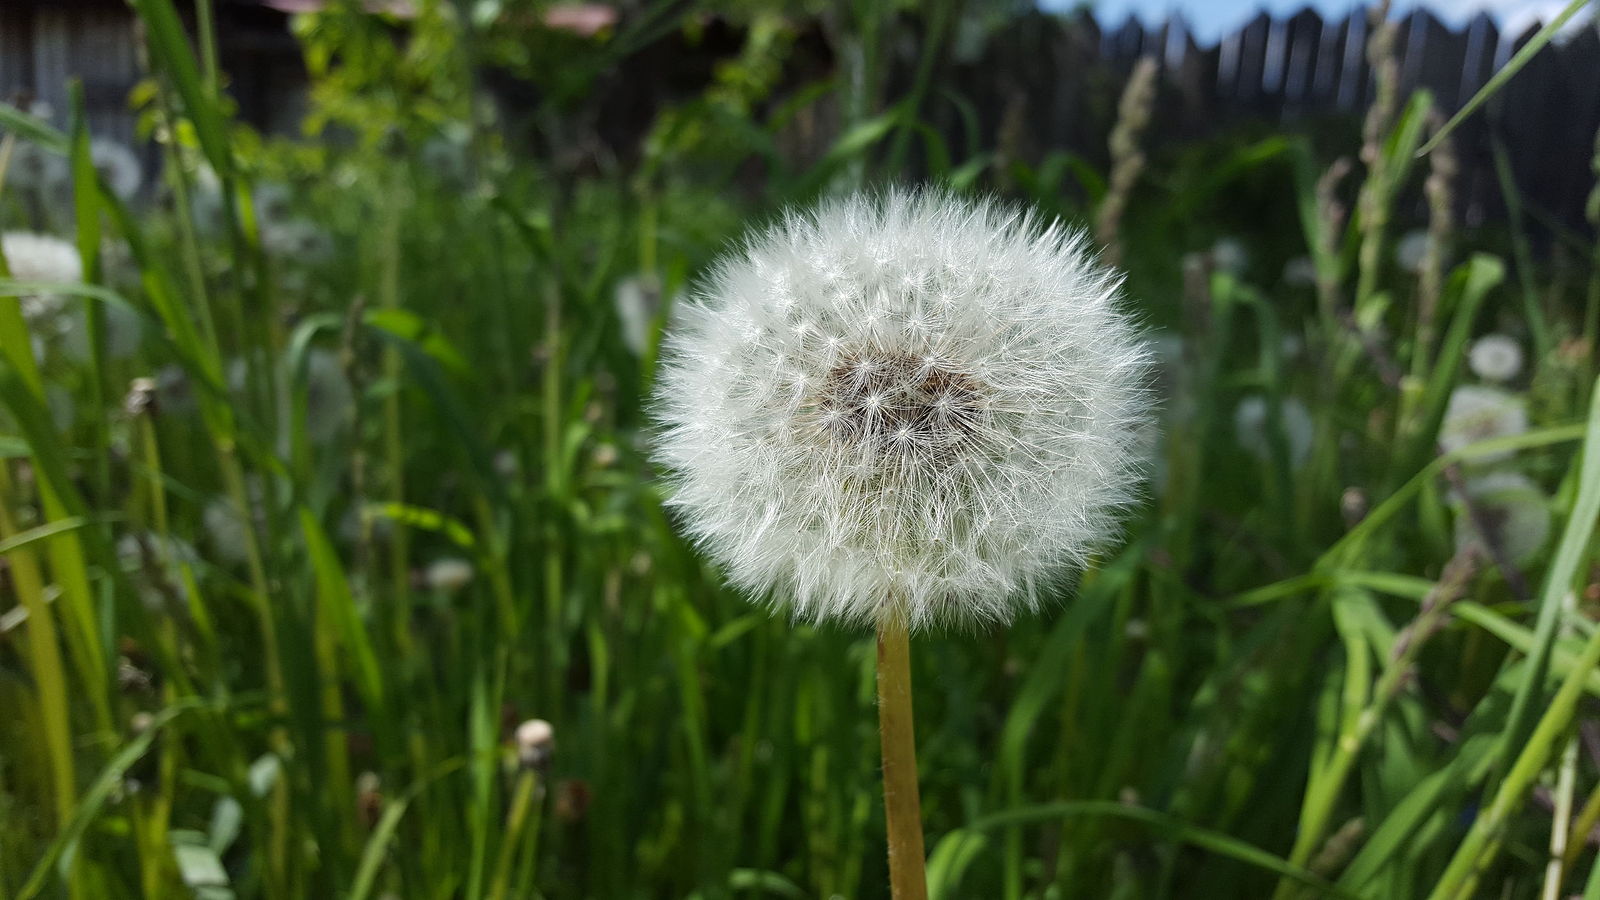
<point>169,43</point>
<point>94,799</point>
<point>333,593</point>
<point>32,128</point>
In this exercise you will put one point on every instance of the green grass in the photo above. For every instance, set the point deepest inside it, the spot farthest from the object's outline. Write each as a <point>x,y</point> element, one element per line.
<point>1274,685</point>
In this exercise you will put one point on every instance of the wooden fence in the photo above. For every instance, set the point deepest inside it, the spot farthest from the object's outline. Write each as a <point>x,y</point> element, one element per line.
<point>1037,83</point>
<point>1048,82</point>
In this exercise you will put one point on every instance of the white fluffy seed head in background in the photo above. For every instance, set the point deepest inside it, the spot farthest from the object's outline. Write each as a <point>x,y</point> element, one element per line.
<point>1495,357</point>
<point>905,407</point>
<point>42,258</point>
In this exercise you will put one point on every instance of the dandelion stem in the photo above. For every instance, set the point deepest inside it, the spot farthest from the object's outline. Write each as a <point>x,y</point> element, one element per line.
<point>901,804</point>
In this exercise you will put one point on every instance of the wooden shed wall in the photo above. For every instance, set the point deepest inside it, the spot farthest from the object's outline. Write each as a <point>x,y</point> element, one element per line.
<point>43,47</point>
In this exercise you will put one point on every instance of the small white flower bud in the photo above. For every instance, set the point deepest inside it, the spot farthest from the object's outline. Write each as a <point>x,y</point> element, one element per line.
<point>536,742</point>
<point>448,575</point>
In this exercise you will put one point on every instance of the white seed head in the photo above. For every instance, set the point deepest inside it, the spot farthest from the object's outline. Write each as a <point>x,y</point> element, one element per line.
<point>1252,429</point>
<point>330,400</point>
<point>1495,357</point>
<point>904,407</point>
<point>637,300</point>
<point>119,167</point>
<point>1411,248</point>
<point>1515,511</point>
<point>448,575</point>
<point>1478,413</point>
<point>1229,255</point>
<point>536,742</point>
<point>44,258</point>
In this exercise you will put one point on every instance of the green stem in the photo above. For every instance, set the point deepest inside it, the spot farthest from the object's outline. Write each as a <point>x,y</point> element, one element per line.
<point>1482,844</point>
<point>901,804</point>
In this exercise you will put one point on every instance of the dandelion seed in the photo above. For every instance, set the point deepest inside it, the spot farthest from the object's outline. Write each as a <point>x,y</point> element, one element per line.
<point>1478,413</point>
<point>448,575</point>
<point>1250,428</point>
<point>1495,357</point>
<point>1516,511</point>
<point>937,473</point>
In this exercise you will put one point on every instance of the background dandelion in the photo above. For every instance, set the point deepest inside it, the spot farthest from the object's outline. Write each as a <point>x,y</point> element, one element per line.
<point>1496,358</point>
<point>376,479</point>
<point>44,259</point>
<point>1480,413</point>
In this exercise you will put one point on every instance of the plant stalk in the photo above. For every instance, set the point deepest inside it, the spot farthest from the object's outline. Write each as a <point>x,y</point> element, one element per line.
<point>901,804</point>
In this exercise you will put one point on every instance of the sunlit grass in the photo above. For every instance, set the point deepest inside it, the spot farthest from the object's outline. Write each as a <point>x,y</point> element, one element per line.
<point>370,491</point>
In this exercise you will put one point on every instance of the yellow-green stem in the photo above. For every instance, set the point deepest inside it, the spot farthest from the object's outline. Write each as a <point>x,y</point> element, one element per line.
<point>902,805</point>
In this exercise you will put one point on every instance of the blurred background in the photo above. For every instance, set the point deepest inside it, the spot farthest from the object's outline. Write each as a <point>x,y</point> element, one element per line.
<point>332,563</point>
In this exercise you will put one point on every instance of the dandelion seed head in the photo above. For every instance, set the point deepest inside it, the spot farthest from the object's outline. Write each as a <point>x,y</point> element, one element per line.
<point>1515,512</point>
<point>1411,249</point>
<point>535,740</point>
<point>448,575</point>
<point>1495,357</point>
<point>330,400</point>
<point>1229,255</point>
<point>119,167</point>
<point>955,425</point>
<point>42,258</point>
<point>1252,428</point>
<point>637,300</point>
<point>1479,413</point>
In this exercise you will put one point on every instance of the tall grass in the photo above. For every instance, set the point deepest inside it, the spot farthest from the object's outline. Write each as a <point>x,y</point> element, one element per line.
<point>239,657</point>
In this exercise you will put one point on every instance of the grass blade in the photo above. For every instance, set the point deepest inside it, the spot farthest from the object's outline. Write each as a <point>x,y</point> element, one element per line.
<point>1511,68</point>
